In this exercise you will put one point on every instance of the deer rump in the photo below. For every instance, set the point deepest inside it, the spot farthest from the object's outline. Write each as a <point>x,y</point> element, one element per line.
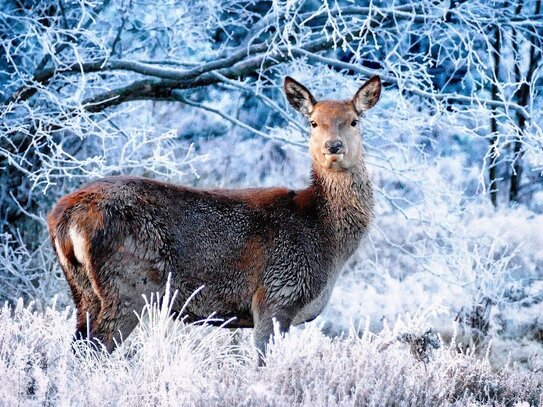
<point>121,237</point>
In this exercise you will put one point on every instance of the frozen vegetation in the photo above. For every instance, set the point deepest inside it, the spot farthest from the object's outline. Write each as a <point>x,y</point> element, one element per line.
<point>442,304</point>
<point>168,363</point>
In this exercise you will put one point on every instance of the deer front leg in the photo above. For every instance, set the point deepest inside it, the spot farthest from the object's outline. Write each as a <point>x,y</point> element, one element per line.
<point>263,316</point>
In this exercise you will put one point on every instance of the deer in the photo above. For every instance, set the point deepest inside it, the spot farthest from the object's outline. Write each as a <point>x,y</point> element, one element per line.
<point>260,254</point>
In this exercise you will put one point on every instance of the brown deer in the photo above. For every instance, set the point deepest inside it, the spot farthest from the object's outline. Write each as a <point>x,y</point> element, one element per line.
<point>260,253</point>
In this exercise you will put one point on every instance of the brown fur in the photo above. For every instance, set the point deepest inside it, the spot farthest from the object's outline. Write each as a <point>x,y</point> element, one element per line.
<point>251,262</point>
<point>254,197</point>
<point>305,200</point>
<point>259,298</point>
<point>260,253</point>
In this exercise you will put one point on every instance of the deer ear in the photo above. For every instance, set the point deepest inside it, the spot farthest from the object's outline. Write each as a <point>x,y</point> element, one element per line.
<point>299,97</point>
<point>368,95</point>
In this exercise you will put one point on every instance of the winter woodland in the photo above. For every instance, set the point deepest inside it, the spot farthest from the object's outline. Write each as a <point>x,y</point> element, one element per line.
<point>441,305</point>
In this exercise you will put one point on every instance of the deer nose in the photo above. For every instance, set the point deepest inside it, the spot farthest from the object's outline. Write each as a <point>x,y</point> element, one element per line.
<point>333,146</point>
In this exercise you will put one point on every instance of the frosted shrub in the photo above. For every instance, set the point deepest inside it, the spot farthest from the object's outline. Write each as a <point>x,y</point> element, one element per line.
<point>28,272</point>
<point>168,363</point>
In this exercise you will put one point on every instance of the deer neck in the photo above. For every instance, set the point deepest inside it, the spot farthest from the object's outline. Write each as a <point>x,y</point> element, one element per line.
<point>346,204</point>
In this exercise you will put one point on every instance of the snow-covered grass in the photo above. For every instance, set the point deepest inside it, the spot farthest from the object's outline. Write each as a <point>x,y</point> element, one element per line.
<point>488,278</point>
<point>166,362</point>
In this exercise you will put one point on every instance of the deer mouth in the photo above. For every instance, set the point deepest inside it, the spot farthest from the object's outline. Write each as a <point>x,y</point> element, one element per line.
<point>334,157</point>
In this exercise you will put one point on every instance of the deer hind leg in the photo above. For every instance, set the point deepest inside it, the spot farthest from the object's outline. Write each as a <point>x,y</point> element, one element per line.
<point>116,321</point>
<point>121,301</point>
<point>263,315</point>
<point>87,303</point>
<point>87,311</point>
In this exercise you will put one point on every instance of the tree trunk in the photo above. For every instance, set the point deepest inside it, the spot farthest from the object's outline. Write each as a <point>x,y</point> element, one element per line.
<point>522,99</point>
<point>494,122</point>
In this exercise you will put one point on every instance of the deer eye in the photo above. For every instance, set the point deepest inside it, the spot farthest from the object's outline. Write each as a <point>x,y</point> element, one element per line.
<point>354,123</point>
<point>313,123</point>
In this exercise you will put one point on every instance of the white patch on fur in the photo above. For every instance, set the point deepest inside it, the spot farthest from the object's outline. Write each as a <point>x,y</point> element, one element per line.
<point>61,257</point>
<point>80,245</point>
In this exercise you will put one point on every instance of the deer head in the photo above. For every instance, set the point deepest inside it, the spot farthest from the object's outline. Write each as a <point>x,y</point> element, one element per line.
<point>335,143</point>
